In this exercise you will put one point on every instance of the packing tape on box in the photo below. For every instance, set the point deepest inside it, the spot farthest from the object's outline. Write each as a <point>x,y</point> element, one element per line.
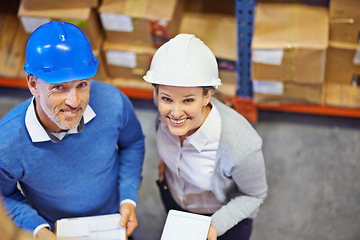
<point>136,8</point>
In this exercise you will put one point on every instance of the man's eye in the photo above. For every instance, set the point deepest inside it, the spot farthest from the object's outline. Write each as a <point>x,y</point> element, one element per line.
<point>82,84</point>
<point>58,87</point>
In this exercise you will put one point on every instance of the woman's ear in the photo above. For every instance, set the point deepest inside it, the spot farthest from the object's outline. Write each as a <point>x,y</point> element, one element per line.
<point>208,97</point>
<point>32,85</point>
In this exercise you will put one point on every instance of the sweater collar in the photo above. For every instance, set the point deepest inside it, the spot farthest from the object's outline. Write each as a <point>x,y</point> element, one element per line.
<point>38,133</point>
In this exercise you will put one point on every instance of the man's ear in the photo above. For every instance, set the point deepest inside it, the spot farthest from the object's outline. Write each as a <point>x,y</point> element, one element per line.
<point>32,85</point>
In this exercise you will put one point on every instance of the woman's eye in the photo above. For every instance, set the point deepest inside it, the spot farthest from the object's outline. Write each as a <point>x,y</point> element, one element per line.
<point>166,99</point>
<point>189,100</point>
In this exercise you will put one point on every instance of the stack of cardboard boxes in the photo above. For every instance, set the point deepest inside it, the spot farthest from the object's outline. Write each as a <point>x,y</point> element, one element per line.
<point>134,29</point>
<point>307,53</point>
<point>342,76</point>
<point>82,13</point>
<point>289,52</point>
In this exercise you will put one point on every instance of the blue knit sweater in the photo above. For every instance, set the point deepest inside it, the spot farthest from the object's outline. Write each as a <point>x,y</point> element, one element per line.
<point>88,173</point>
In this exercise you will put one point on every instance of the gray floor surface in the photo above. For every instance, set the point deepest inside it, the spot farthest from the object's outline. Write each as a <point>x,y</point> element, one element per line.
<point>313,172</point>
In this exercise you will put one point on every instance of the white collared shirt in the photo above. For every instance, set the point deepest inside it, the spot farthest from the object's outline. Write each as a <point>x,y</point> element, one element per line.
<point>190,166</point>
<point>38,133</point>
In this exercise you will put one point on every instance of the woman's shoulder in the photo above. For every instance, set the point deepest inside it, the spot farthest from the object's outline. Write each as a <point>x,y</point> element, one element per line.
<point>236,131</point>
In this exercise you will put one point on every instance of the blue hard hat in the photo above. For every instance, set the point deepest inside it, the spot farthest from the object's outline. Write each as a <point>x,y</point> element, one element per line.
<point>59,52</point>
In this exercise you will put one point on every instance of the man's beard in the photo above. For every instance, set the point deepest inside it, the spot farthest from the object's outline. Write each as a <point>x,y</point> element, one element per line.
<point>54,115</point>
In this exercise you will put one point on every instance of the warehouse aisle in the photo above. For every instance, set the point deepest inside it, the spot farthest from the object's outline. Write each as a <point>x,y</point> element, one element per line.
<point>313,166</point>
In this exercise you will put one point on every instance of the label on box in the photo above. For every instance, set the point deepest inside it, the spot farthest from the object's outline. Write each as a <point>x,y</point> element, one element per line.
<point>356,60</point>
<point>268,87</point>
<point>121,58</point>
<point>32,23</point>
<point>116,22</point>
<point>268,56</point>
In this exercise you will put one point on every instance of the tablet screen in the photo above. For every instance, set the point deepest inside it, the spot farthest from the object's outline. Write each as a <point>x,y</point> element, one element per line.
<point>181,225</point>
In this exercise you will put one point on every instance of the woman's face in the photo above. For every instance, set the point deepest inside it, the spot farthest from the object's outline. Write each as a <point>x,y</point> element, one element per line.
<point>183,109</point>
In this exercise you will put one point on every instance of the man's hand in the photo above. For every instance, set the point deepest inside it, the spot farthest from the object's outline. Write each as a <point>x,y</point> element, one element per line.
<point>212,234</point>
<point>45,233</point>
<point>128,217</point>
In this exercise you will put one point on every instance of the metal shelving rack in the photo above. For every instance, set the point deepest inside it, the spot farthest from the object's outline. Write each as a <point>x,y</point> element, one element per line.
<point>243,102</point>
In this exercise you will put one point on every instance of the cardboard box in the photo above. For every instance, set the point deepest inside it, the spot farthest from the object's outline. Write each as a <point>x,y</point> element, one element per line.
<point>218,32</point>
<point>344,18</point>
<point>342,95</point>
<point>127,61</point>
<point>343,63</point>
<point>140,22</point>
<point>102,72</point>
<point>55,4</point>
<point>289,43</point>
<point>278,92</point>
<point>323,3</point>
<point>85,18</point>
<point>211,6</point>
<point>228,81</point>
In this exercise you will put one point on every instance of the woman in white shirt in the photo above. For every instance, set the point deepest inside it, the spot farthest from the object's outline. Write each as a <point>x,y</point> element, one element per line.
<point>211,161</point>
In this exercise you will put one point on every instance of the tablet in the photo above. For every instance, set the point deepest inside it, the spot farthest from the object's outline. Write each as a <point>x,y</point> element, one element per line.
<point>183,225</point>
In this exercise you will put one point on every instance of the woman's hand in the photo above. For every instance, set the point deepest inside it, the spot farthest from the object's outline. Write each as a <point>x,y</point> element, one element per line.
<point>212,234</point>
<point>162,167</point>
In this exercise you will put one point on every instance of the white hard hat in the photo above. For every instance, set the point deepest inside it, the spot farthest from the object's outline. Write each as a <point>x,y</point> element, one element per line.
<point>184,61</point>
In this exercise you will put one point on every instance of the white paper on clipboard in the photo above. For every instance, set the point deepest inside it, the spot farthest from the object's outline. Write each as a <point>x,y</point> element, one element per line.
<point>91,228</point>
<point>182,225</point>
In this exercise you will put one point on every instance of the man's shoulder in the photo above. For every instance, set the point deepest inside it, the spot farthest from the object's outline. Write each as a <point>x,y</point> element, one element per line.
<point>105,91</point>
<point>102,86</point>
<point>12,125</point>
<point>16,114</point>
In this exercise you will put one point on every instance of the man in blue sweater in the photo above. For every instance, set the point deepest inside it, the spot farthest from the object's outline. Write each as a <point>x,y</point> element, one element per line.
<point>76,148</point>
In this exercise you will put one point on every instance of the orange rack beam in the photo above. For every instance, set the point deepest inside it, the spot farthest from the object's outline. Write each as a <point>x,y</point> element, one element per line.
<point>13,82</point>
<point>249,109</point>
<point>312,109</point>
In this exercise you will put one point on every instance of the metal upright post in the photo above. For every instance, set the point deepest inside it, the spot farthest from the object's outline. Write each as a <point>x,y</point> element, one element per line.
<point>244,17</point>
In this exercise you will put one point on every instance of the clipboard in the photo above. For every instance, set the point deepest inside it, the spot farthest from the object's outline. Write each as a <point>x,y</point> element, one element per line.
<point>183,225</point>
<point>91,228</point>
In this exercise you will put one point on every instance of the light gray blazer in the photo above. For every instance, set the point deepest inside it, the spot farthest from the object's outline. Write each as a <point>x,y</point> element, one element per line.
<point>238,180</point>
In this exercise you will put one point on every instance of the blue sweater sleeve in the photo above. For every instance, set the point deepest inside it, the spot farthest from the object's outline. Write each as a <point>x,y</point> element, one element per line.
<point>22,214</point>
<point>131,149</point>
<point>17,206</point>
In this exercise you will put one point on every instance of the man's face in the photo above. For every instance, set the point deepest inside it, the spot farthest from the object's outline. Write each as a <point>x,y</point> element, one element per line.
<point>60,106</point>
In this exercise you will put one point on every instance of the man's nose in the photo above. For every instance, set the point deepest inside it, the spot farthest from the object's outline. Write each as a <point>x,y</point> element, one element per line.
<point>72,98</point>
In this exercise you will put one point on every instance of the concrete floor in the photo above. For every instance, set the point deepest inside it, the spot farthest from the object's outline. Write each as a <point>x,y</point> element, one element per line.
<point>313,172</point>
